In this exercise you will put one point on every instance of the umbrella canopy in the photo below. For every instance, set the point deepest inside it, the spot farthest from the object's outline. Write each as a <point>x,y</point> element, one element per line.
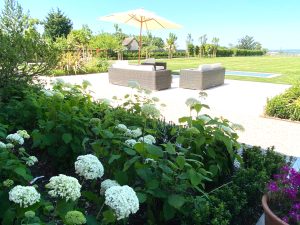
<point>141,18</point>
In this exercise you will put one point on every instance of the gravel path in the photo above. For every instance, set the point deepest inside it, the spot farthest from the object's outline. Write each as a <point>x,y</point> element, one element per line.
<point>241,102</point>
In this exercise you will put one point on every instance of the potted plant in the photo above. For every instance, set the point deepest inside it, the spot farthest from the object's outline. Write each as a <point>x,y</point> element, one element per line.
<point>282,203</point>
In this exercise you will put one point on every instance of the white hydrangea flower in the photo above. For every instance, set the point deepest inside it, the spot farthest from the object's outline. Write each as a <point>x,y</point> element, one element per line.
<point>236,164</point>
<point>64,187</point>
<point>148,139</point>
<point>9,145</point>
<point>121,127</point>
<point>23,134</point>
<point>89,167</point>
<point>191,102</point>
<point>130,142</point>
<point>2,145</point>
<point>48,93</point>
<point>24,195</point>
<point>150,110</point>
<point>106,184</point>
<point>134,133</point>
<point>123,200</point>
<point>31,160</point>
<point>15,138</point>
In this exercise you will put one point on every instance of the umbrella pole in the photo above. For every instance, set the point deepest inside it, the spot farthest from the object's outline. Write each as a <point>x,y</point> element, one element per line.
<point>140,41</point>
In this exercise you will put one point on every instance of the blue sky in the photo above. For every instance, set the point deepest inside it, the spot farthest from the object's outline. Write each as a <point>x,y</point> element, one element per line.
<point>274,23</point>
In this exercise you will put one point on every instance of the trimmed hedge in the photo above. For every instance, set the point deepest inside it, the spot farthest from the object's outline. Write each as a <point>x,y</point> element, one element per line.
<point>246,52</point>
<point>286,105</point>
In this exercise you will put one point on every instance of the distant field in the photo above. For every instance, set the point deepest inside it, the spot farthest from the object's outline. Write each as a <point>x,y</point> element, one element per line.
<point>288,67</point>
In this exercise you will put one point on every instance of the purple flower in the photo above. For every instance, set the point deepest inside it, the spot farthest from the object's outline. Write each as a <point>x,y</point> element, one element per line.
<point>273,187</point>
<point>285,219</point>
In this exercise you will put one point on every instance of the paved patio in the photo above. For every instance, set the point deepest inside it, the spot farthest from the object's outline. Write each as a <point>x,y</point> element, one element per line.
<point>241,102</point>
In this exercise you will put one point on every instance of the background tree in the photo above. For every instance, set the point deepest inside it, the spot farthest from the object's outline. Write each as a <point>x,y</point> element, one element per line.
<point>120,37</point>
<point>215,43</point>
<point>249,43</point>
<point>202,40</point>
<point>80,39</point>
<point>189,45</point>
<point>158,42</point>
<point>191,49</point>
<point>24,54</point>
<point>197,50</point>
<point>57,25</point>
<point>171,44</point>
<point>148,45</point>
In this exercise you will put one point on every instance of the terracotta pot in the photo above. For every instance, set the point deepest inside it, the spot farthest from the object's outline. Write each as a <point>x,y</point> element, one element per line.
<point>270,217</point>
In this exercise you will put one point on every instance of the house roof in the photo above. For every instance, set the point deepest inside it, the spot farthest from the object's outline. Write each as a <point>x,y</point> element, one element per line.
<point>127,41</point>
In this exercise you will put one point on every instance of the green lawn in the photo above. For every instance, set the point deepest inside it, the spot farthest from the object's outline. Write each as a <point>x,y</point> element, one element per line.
<point>288,67</point>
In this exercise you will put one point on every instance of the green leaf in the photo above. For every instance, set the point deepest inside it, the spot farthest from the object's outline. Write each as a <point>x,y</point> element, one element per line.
<point>109,216</point>
<point>195,178</point>
<point>213,169</point>
<point>211,153</point>
<point>90,196</point>
<point>170,148</point>
<point>130,151</point>
<point>91,220</point>
<point>152,184</point>
<point>142,197</point>
<point>113,158</point>
<point>121,177</point>
<point>23,173</point>
<point>63,207</point>
<point>154,150</point>
<point>180,160</point>
<point>177,201</point>
<point>8,217</point>
<point>169,211</point>
<point>130,162</point>
<point>67,138</point>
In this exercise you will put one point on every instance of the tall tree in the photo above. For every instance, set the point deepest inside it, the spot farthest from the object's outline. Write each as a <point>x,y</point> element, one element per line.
<point>248,42</point>
<point>202,40</point>
<point>215,43</point>
<point>24,54</point>
<point>189,44</point>
<point>171,44</point>
<point>57,24</point>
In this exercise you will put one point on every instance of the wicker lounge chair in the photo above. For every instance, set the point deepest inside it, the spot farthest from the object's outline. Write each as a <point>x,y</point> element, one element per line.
<point>206,76</point>
<point>146,76</point>
<point>157,65</point>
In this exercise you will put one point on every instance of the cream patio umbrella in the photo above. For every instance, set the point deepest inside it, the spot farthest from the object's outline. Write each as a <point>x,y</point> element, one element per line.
<point>141,18</point>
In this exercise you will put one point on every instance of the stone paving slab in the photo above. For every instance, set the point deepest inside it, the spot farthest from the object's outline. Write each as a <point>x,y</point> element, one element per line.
<point>239,101</point>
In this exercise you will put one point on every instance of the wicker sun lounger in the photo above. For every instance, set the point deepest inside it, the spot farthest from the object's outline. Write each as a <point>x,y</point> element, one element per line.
<point>201,79</point>
<point>152,80</point>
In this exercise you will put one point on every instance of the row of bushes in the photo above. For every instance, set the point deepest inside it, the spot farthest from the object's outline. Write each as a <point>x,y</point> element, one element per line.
<point>286,105</point>
<point>129,55</point>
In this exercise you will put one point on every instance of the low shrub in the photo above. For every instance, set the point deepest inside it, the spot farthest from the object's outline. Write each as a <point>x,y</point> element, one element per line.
<point>286,105</point>
<point>247,52</point>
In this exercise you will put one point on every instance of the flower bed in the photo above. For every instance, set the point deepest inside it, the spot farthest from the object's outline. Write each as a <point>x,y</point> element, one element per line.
<point>91,163</point>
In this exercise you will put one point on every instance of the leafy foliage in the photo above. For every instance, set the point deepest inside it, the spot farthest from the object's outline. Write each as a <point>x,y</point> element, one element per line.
<point>248,42</point>
<point>57,24</point>
<point>24,53</point>
<point>286,105</point>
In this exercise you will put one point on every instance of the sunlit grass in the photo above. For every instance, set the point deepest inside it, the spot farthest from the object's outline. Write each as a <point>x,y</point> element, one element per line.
<point>288,67</point>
